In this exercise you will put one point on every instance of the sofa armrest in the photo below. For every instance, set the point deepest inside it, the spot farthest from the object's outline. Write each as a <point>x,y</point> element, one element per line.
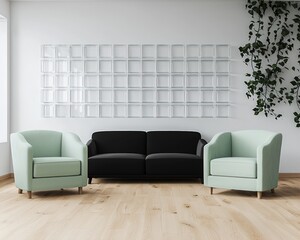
<point>92,149</point>
<point>268,159</point>
<point>219,146</point>
<point>72,146</point>
<point>200,147</point>
<point>22,156</point>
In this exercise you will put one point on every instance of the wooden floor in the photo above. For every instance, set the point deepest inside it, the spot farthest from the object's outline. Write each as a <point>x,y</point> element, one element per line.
<point>156,210</point>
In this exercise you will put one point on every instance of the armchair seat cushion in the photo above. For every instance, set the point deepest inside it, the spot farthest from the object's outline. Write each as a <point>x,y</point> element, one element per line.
<point>56,167</point>
<point>117,163</point>
<point>173,164</point>
<point>233,167</point>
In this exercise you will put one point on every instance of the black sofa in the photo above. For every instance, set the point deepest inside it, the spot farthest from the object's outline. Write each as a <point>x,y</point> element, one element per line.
<point>138,154</point>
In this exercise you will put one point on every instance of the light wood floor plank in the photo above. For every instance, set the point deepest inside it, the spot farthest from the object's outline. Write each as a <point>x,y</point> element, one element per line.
<point>142,210</point>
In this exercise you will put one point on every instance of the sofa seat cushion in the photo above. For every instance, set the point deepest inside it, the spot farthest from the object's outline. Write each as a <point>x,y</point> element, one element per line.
<point>233,167</point>
<point>56,167</point>
<point>116,164</point>
<point>173,164</point>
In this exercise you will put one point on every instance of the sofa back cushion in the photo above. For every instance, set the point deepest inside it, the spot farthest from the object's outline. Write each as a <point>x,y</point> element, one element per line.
<point>172,142</point>
<point>120,142</point>
<point>44,143</point>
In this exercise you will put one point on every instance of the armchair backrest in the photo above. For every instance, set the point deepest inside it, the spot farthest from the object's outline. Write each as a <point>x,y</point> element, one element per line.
<point>44,143</point>
<point>245,143</point>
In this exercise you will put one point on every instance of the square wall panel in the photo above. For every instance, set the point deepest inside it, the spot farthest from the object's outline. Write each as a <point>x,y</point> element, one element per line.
<point>92,111</point>
<point>48,111</point>
<point>120,51</point>
<point>77,66</point>
<point>134,66</point>
<point>222,51</point>
<point>222,96</point>
<point>134,51</point>
<point>163,51</point>
<point>120,66</point>
<point>47,80</point>
<point>207,81</point>
<point>149,96</point>
<point>193,111</point>
<point>105,66</point>
<point>120,111</point>
<point>62,51</point>
<point>62,96</point>
<point>134,96</point>
<point>223,111</point>
<point>148,66</point>
<point>162,66</point>
<point>192,66</point>
<point>148,111</point>
<point>105,51</point>
<point>178,111</point>
<point>134,111</point>
<point>148,81</point>
<point>193,96</point>
<point>207,66</point>
<point>207,96</point>
<point>120,96</point>
<point>47,96</point>
<point>177,51</point>
<point>148,51</point>
<point>47,66</point>
<point>223,81</point>
<point>134,81</point>
<point>178,66</point>
<point>77,111</point>
<point>76,51</point>
<point>62,66</point>
<point>178,96</point>
<point>62,81</point>
<point>77,96</point>
<point>177,81</point>
<point>222,66</point>
<point>105,81</point>
<point>163,81</point>
<point>92,96</point>
<point>163,111</point>
<point>192,51</point>
<point>91,66</point>
<point>62,111</point>
<point>91,51</point>
<point>48,51</point>
<point>163,96</point>
<point>192,81</point>
<point>207,111</point>
<point>207,51</point>
<point>106,96</point>
<point>91,81</point>
<point>76,81</point>
<point>120,81</point>
<point>106,111</point>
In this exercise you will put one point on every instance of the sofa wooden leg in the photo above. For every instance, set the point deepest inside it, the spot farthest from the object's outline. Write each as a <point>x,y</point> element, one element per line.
<point>80,190</point>
<point>259,195</point>
<point>90,180</point>
<point>20,191</point>
<point>211,190</point>
<point>273,190</point>
<point>29,194</point>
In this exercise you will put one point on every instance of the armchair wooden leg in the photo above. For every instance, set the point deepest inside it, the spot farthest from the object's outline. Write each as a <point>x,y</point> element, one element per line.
<point>80,190</point>
<point>90,180</point>
<point>211,190</point>
<point>29,194</point>
<point>259,195</point>
<point>273,190</point>
<point>20,191</point>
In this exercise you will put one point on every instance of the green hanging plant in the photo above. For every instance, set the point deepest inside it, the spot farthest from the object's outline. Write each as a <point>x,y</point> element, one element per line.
<point>274,31</point>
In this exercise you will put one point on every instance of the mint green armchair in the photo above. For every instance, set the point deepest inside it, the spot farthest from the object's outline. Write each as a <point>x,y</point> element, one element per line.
<point>48,160</point>
<point>243,160</point>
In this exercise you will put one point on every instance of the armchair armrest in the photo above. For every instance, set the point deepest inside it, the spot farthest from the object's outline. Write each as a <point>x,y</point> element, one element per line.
<point>268,159</point>
<point>72,146</point>
<point>219,146</point>
<point>92,149</point>
<point>21,152</point>
<point>200,147</point>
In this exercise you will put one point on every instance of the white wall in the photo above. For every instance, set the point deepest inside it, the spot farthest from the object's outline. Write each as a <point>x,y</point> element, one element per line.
<point>5,163</point>
<point>132,21</point>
